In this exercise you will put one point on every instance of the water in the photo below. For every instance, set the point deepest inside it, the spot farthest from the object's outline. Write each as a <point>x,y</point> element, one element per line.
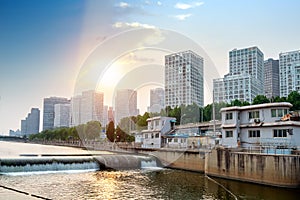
<point>81,181</point>
<point>139,184</point>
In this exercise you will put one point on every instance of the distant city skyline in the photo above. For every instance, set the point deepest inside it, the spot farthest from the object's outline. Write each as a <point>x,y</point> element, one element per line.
<point>45,43</point>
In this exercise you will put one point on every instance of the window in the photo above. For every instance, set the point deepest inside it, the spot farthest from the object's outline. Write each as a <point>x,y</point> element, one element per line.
<point>253,133</point>
<point>169,140</point>
<point>253,114</point>
<point>229,133</point>
<point>175,139</point>
<point>157,135</point>
<point>146,136</point>
<point>273,113</point>
<point>229,116</point>
<point>280,132</point>
<point>278,112</point>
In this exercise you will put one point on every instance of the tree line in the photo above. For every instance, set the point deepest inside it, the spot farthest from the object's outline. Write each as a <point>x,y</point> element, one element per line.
<point>183,114</point>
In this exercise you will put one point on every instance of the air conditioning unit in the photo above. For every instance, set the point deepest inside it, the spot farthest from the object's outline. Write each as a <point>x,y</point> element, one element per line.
<point>257,120</point>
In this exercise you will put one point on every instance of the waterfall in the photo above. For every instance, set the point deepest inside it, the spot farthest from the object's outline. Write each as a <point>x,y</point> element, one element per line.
<point>54,164</point>
<point>49,165</point>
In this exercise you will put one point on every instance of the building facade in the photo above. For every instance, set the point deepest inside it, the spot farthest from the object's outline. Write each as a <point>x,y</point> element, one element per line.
<point>263,126</point>
<point>62,115</point>
<point>48,113</point>
<point>157,100</point>
<point>31,125</point>
<point>87,107</point>
<point>125,104</point>
<point>289,72</point>
<point>183,79</point>
<point>245,79</point>
<point>157,129</point>
<point>271,78</point>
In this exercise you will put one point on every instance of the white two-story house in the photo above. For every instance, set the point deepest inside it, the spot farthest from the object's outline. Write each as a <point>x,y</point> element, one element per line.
<point>263,125</point>
<point>158,127</point>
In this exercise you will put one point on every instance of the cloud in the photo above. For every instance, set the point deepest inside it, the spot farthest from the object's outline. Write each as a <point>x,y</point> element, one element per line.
<point>123,5</point>
<point>159,3</point>
<point>182,17</point>
<point>132,25</point>
<point>185,6</point>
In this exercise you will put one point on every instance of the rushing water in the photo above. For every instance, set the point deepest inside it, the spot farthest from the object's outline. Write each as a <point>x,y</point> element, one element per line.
<point>139,184</point>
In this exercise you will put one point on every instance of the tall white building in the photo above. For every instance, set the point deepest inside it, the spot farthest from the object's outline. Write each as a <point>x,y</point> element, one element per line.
<point>87,107</point>
<point>245,79</point>
<point>183,79</point>
<point>289,72</point>
<point>125,104</point>
<point>62,115</point>
<point>157,100</point>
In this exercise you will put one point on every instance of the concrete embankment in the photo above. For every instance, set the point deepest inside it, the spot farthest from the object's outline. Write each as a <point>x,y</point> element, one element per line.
<point>268,169</point>
<point>274,170</point>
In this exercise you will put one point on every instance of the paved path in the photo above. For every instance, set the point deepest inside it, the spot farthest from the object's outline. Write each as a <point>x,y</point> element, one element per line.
<point>15,149</point>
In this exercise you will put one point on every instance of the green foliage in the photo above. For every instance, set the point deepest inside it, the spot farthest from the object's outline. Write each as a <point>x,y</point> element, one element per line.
<point>92,130</point>
<point>259,99</point>
<point>237,102</point>
<point>294,98</point>
<point>89,131</point>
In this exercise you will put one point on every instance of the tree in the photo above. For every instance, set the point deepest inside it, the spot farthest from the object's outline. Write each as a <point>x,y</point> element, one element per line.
<point>259,99</point>
<point>92,130</point>
<point>142,120</point>
<point>294,99</point>
<point>279,99</point>
<point>110,131</point>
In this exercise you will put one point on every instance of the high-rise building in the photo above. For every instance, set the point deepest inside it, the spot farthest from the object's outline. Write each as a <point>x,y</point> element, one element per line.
<point>48,115</point>
<point>31,124</point>
<point>91,107</point>
<point>271,78</point>
<point>157,100</point>
<point>125,104</point>
<point>75,111</point>
<point>289,72</point>
<point>87,107</point>
<point>183,79</point>
<point>62,115</point>
<point>245,79</point>
<point>105,116</point>
<point>111,114</point>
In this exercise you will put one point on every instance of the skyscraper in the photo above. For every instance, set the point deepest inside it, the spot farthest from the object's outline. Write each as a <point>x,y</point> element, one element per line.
<point>125,104</point>
<point>245,79</point>
<point>87,107</point>
<point>183,79</point>
<point>62,115</point>
<point>289,72</point>
<point>271,78</point>
<point>157,100</point>
<point>48,115</point>
<point>31,124</point>
<point>91,107</point>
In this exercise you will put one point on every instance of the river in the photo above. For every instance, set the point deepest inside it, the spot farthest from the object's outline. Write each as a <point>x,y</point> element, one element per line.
<point>146,183</point>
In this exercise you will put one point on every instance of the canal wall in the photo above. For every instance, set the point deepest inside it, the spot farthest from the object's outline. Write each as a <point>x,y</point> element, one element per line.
<point>268,169</point>
<point>178,159</point>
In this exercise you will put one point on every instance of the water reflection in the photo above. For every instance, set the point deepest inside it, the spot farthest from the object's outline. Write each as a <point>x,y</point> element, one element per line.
<point>140,184</point>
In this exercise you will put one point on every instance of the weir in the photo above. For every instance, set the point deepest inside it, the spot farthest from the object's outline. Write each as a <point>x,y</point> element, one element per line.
<point>36,163</point>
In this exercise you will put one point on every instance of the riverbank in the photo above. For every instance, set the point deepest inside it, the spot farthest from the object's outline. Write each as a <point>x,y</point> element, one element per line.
<point>266,169</point>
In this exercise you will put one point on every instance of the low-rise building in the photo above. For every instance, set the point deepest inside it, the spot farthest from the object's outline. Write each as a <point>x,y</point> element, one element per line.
<point>157,129</point>
<point>266,127</point>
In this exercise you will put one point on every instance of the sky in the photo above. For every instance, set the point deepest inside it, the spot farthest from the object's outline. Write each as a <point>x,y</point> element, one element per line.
<point>61,47</point>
